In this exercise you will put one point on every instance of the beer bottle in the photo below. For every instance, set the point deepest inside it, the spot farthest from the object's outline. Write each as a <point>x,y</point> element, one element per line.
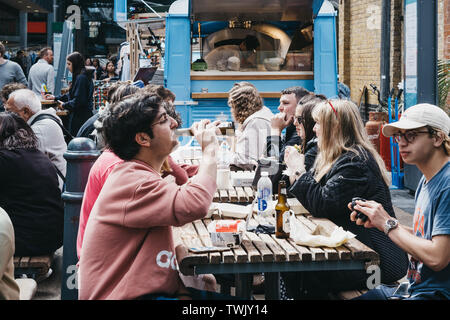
<point>282,212</point>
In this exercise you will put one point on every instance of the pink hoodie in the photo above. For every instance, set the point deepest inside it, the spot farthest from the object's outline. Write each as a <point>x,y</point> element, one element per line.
<point>128,248</point>
<point>97,177</point>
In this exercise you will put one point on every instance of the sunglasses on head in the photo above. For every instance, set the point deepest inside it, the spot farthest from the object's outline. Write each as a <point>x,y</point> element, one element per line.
<point>300,119</point>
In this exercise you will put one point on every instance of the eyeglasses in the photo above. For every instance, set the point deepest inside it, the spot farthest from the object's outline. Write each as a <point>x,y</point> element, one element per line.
<point>164,119</point>
<point>409,136</point>
<point>300,119</point>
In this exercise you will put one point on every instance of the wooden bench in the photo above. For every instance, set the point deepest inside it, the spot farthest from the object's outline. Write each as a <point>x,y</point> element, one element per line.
<point>27,288</point>
<point>32,267</point>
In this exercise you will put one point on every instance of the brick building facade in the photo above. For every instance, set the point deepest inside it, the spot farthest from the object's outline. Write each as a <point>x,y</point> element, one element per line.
<point>359,45</point>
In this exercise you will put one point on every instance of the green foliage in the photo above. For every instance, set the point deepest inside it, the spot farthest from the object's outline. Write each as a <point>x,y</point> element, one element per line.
<point>443,83</point>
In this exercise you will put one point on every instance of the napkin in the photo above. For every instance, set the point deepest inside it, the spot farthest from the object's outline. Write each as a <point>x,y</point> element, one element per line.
<point>318,238</point>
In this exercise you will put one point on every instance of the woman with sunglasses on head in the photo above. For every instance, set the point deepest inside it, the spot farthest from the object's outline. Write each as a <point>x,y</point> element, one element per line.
<point>304,125</point>
<point>346,166</point>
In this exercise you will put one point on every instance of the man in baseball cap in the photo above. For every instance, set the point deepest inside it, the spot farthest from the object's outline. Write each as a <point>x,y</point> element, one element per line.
<point>418,116</point>
<point>422,134</point>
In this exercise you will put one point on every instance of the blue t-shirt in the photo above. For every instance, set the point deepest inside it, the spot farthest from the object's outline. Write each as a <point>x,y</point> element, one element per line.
<point>431,218</point>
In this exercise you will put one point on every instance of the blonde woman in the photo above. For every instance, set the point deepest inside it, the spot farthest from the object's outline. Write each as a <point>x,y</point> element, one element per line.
<point>346,166</point>
<point>253,124</point>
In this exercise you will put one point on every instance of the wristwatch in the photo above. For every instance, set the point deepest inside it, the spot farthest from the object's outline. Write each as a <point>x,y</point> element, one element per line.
<point>390,224</point>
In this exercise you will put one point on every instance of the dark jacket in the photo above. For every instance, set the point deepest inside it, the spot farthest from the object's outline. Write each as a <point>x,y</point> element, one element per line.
<point>276,145</point>
<point>30,194</point>
<point>88,127</point>
<point>311,150</point>
<point>353,176</point>
<point>79,101</point>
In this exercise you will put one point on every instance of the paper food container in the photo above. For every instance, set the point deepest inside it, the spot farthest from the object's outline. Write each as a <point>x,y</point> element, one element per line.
<point>242,178</point>
<point>226,233</point>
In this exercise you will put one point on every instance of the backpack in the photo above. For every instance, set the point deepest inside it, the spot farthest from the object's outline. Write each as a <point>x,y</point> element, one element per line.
<point>67,136</point>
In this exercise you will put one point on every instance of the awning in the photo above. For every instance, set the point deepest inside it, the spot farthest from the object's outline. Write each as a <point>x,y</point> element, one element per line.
<point>42,6</point>
<point>255,10</point>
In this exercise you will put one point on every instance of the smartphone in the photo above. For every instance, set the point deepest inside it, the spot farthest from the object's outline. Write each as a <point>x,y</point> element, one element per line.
<point>401,292</point>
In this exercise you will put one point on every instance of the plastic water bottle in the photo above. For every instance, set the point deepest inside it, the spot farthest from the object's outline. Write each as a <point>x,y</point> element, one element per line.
<point>223,168</point>
<point>264,194</point>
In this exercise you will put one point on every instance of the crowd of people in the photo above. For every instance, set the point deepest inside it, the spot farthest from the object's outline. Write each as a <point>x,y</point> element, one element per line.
<point>136,193</point>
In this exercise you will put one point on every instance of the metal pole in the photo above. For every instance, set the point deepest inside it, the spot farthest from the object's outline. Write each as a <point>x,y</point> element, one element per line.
<point>385,58</point>
<point>427,51</point>
<point>80,155</point>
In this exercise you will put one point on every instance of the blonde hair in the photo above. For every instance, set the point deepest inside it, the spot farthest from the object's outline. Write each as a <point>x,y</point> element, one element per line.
<point>342,131</point>
<point>445,141</point>
<point>244,101</point>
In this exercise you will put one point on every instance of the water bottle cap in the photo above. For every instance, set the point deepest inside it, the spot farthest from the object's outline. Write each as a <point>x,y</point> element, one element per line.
<point>264,174</point>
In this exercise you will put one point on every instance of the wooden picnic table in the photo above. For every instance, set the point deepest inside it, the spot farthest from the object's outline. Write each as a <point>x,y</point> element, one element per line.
<point>233,195</point>
<point>264,253</point>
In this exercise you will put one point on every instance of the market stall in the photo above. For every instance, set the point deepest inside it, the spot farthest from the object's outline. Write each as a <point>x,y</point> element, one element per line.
<point>210,45</point>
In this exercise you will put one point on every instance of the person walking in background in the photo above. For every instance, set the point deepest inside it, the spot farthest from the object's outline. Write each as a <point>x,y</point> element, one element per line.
<point>98,68</point>
<point>79,99</point>
<point>9,72</point>
<point>42,73</point>
<point>423,139</point>
<point>110,72</point>
<point>21,60</point>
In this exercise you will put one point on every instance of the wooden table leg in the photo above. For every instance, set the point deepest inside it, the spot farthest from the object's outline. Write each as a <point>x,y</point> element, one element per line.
<point>272,285</point>
<point>244,285</point>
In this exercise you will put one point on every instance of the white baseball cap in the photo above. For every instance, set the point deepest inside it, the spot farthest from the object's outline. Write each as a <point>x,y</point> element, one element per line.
<point>418,116</point>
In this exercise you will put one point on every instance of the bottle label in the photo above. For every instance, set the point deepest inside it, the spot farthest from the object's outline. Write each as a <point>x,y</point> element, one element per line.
<point>286,222</point>
<point>262,204</point>
<point>263,198</point>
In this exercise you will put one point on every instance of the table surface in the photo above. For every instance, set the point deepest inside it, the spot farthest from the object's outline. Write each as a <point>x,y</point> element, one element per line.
<point>266,253</point>
<point>233,195</point>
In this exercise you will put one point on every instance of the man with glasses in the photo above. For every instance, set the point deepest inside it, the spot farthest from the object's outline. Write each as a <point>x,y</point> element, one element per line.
<point>128,248</point>
<point>422,134</point>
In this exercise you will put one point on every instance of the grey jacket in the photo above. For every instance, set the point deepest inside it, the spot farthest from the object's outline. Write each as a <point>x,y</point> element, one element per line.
<point>50,140</point>
<point>41,73</point>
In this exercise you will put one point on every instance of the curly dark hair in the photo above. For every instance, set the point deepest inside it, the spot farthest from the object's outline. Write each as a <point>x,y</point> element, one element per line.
<point>244,101</point>
<point>15,133</point>
<point>10,88</point>
<point>167,96</point>
<point>122,91</point>
<point>128,117</point>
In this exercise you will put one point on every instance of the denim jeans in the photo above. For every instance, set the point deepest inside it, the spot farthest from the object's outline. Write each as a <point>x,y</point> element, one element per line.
<point>383,292</point>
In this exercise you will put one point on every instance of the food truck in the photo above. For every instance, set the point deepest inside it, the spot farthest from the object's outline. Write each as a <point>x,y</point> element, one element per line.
<point>273,44</point>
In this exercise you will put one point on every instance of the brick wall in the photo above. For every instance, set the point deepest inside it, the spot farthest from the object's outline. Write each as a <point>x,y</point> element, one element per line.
<point>444,35</point>
<point>360,42</point>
